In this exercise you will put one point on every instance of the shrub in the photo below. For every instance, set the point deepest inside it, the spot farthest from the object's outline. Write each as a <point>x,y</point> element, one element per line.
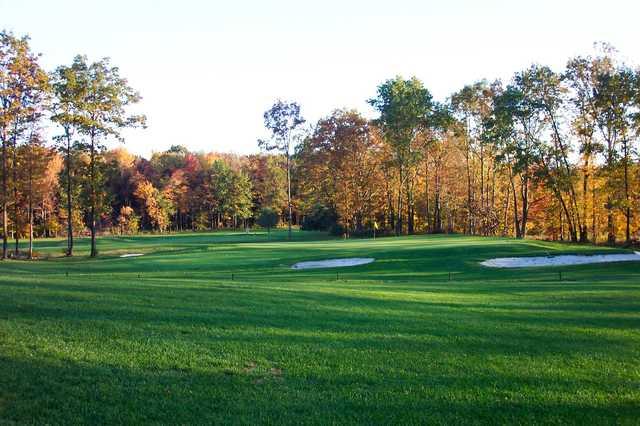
<point>268,218</point>
<point>321,218</point>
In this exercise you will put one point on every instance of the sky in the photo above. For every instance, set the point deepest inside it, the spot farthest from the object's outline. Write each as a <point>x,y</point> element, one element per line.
<point>207,70</point>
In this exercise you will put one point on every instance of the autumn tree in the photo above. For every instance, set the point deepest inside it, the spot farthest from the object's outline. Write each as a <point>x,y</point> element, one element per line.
<point>581,76</point>
<point>268,181</point>
<point>35,158</point>
<point>23,92</point>
<point>103,116</point>
<point>284,121</point>
<point>341,163</point>
<point>404,107</point>
<point>128,222</point>
<point>513,128</point>
<point>70,84</point>
<point>472,105</point>
<point>157,208</point>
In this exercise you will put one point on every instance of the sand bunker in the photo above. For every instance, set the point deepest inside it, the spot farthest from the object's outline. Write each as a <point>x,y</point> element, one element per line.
<point>525,262</point>
<point>132,255</point>
<point>333,263</point>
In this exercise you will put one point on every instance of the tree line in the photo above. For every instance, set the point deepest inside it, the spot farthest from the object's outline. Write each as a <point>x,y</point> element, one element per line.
<point>546,154</point>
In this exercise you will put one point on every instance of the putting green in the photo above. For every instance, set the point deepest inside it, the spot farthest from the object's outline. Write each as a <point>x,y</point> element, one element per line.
<point>217,328</point>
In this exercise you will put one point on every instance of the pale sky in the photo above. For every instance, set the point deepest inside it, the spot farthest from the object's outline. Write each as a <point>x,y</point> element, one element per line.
<point>207,70</point>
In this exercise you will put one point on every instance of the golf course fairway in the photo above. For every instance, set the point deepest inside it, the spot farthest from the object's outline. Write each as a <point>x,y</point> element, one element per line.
<point>217,328</point>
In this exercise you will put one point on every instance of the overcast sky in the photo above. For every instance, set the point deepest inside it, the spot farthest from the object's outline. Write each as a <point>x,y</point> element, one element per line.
<point>207,70</point>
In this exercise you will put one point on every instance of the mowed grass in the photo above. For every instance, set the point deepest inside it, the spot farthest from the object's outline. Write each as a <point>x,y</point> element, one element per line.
<point>216,328</point>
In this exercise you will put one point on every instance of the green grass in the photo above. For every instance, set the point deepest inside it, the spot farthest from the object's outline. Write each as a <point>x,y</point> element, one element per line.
<point>171,338</point>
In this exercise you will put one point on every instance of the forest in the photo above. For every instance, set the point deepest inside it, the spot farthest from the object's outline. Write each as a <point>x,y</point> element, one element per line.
<point>550,154</point>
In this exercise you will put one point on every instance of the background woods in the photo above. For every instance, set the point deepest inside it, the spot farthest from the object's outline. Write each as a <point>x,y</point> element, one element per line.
<point>549,154</point>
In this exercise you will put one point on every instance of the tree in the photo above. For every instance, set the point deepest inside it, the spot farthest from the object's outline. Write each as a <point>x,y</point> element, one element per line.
<point>36,159</point>
<point>23,90</point>
<point>404,107</point>
<point>238,202</point>
<point>268,181</point>
<point>341,164</point>
<point>268,218</point>
<point>157,208</point>
<point>284,121</point>
<point>513,127</point>
<point>545,99</point>
<point>70,87</point>
<point>616,102</point>
<point>473,105</point>
<point>581,79</point>
<point>103,115</point>
<point>128,221</point>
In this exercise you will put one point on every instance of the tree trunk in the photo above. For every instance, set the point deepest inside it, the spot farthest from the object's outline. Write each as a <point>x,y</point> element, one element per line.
<point>289,207</point>
<point>594,216</point>
<point>482,197</point>
<point>31,211</point>
<point>410,215</point>
<point>92,188</point>
<point>516,219</point>
<point>5,227</point>
<point>426,194</point>
<point>69,198</point>
<point>611,225</point>
<point>437,213</point>
<point>399,210</point>
<point>505,225</point>
<point>585,193</point>
<point>14,167</point>
<point>524,192</point>
<point>626,193</point>
<point>469,192</point>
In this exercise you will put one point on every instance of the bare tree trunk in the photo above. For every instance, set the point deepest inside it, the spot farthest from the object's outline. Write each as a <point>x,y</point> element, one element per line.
<point>92,184</point>
<point>469,192</point>
<point>426,194</point>
<point>31,211</point>
<point>399,211</point>
<point>410,216</point>
<point>524,194</point>
<point>14,167</point>
<point>5,228</point>
<point>626,193</point>
<point>594,220</point>
<point>482,197</point>
<point>290,210</point>
<point>611,226</point>
<point>516,219</point>
<point>505,225</point>
<point>69,198</point>
<point>437,211</point>
<point>585,193</point>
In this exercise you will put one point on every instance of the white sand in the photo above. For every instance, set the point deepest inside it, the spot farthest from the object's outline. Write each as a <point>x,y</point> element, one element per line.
<point>523,262</point>
<point>132,255</point>
<point>333,263</point>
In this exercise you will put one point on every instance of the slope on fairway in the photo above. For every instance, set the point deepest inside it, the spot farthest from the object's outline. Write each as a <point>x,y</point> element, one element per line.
<point>217,328</point>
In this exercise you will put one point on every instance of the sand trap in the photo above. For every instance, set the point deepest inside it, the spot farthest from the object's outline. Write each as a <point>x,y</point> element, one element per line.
<point>524,262</point>
<point>333,263</point>
<point>132,255</point>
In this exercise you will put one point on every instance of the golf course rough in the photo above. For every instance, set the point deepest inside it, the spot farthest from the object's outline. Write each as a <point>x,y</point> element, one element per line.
<point>172,338</point>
